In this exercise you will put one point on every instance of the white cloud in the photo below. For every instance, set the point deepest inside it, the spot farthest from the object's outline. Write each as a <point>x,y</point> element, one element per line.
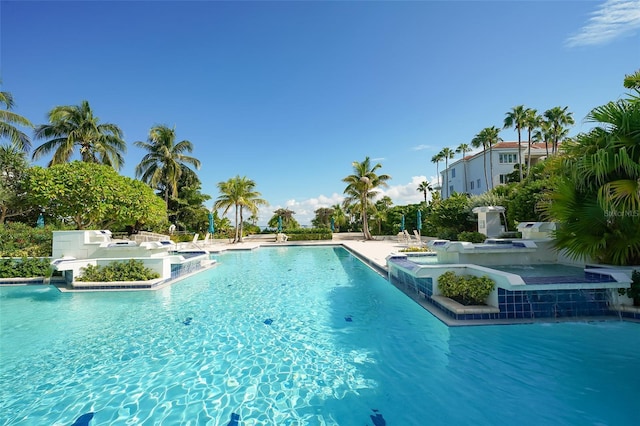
<point>407,193</point>
<point>614,18</point>
<point>422,147</point>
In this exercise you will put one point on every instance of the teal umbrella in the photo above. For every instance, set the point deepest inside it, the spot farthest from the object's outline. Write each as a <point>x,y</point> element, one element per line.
<point>279,223</point>
<point>211,226</point>
<point>419,224</point>
<point>40,221</point>
<point>333,225</point>
<point>402,223</point>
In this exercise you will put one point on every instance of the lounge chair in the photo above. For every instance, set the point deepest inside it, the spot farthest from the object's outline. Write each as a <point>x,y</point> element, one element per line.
<point>281,238</point>
<point>418,238</point>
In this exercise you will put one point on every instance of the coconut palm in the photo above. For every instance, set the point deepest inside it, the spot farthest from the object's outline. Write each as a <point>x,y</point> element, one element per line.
<point>463,148</point>
<point>486,138</point>
<point>437,159</point>
<point>8,120</point>
<point>74,126</point>
<point>447,154</point>
<point>165,160</point>
<point>517,118</point>
<point>361,188</point>
<point>339,216</point>
<point>424,187</point>
<point>558,118</point>
<point>532,122</point>
<point>238,192</point>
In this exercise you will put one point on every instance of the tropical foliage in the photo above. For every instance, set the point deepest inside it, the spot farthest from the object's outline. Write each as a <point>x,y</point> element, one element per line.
<point>239,193</point>
<point>75,126</point>
<point>286,216</point>
<point>13,166</point>
<point>90,195</point>
<point>165,162</point>
<point>131,270</point>
<point>597,201</point>
<point>362,188</point>
<point>10,123</point>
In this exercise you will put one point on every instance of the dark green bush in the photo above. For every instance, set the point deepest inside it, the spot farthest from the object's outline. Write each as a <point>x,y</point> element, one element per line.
<point>466,289</point>
<point>472,237</point>
<point>307,234</point>
<point>25,268</point>
<point>20,240</point>
<point>132,270</point>
<point>633,291</point>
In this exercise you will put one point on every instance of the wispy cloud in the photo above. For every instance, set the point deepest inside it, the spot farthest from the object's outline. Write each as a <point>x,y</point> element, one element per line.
<point>422,147</point>
<point>614,19</point>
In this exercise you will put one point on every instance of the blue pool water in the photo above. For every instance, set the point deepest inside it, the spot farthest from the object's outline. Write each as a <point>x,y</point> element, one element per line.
<point>298,336</point>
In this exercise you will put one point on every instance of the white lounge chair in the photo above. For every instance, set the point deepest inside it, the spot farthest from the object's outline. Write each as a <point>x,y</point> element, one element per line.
<point>418,238</point>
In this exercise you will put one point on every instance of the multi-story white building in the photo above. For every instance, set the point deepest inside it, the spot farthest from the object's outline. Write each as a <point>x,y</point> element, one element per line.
<point>467,175</point>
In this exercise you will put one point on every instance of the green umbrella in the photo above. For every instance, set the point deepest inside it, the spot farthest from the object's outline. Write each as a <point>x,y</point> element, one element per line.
<point>211,226</point>
<point>40,221</point>
<point>419,225</point>
<point>279,223</point>
<point>402,223</point>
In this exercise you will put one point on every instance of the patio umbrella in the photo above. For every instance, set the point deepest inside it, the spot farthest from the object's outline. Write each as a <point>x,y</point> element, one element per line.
<point>333,225</point>
<point>279,223</point>
<point>402,223</point>
<point>419,224</point>
<point>211,226</point>
<point>40,221</point>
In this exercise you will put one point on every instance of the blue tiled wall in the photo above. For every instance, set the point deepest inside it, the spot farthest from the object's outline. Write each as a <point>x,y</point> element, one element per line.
<point>552,303</point>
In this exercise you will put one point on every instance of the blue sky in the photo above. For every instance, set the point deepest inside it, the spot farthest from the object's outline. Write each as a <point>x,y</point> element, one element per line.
<point>289,94</point>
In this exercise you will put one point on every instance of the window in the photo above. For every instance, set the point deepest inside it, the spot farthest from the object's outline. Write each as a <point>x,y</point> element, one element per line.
<point>478,183</point>
<point>472,182</point>
<point>453,173</point>
<point>508,158</point>
<point>451,191</point>
<point>504,178</point>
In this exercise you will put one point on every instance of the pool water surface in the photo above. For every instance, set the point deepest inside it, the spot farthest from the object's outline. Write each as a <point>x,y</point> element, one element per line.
<point>298,336</point>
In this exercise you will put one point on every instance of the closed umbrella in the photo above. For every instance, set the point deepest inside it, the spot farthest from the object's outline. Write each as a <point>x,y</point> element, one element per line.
<point>402,223</point>
<point>279,223</point>
<point>211,226</point>
<point>40,221</point>
<point>333,225</point>
<point>419,224</point>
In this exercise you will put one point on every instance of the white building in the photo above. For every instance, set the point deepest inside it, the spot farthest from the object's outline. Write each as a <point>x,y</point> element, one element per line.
<point>467,175</point>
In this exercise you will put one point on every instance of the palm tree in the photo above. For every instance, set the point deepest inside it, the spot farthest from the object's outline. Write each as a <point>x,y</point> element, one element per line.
<point>517,118</point>
<point>478,142</point>
<point>8,118</point>
<point>288,221</point>
<point>487,137</point>
<point>74,126</point>
<point>165,161</point>
<point>339,216</point>
<point>361,188</point>
<point>447,154</point>
<point>464,148</point>
<point>532,122</point>
<point>558,118</point>
<point>238,192</point>
<point>424,187</point>
<point>437,159</point>
<point>543,133</point>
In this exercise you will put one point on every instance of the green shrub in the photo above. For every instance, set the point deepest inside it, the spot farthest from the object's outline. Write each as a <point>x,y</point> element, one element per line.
<point>472,237</point>
<point>308,234</point>
<point>132,270</point>
<point>415,249</point>
<point>466,289</point>
<point>25,268</point>
<point>21,240</point>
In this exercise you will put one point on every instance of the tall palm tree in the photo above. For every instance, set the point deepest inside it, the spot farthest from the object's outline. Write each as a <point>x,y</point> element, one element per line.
<point>532,122</point>
<point>424,187</point>
<point>238,192</point>
<point>558,118</point>
<point>339,216</point>
<point>447,154</point>
<point>8,119</point>
<point>463,148</point>
<point>437,159</point>
<point>165,160</point>
<point>543,134</point>
<point>479,142</point>
<point>361,188</point>
<point>486,138</point>
<point>74,126</point>
<point>517,118</point>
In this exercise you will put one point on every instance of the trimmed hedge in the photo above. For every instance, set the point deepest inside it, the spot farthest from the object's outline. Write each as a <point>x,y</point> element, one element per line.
<point>311,234</point>
<point>466,289</point>
<point>25,268</point>
<point>132,270</point>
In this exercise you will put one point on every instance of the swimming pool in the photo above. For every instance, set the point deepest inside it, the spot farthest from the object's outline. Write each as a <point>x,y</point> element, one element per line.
<point>341,342</point>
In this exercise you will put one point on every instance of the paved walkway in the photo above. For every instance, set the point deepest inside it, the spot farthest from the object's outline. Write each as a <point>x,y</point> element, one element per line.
<point>373,252</point>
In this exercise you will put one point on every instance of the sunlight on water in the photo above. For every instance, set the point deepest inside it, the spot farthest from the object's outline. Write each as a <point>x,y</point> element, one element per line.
<point>297,336</point>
